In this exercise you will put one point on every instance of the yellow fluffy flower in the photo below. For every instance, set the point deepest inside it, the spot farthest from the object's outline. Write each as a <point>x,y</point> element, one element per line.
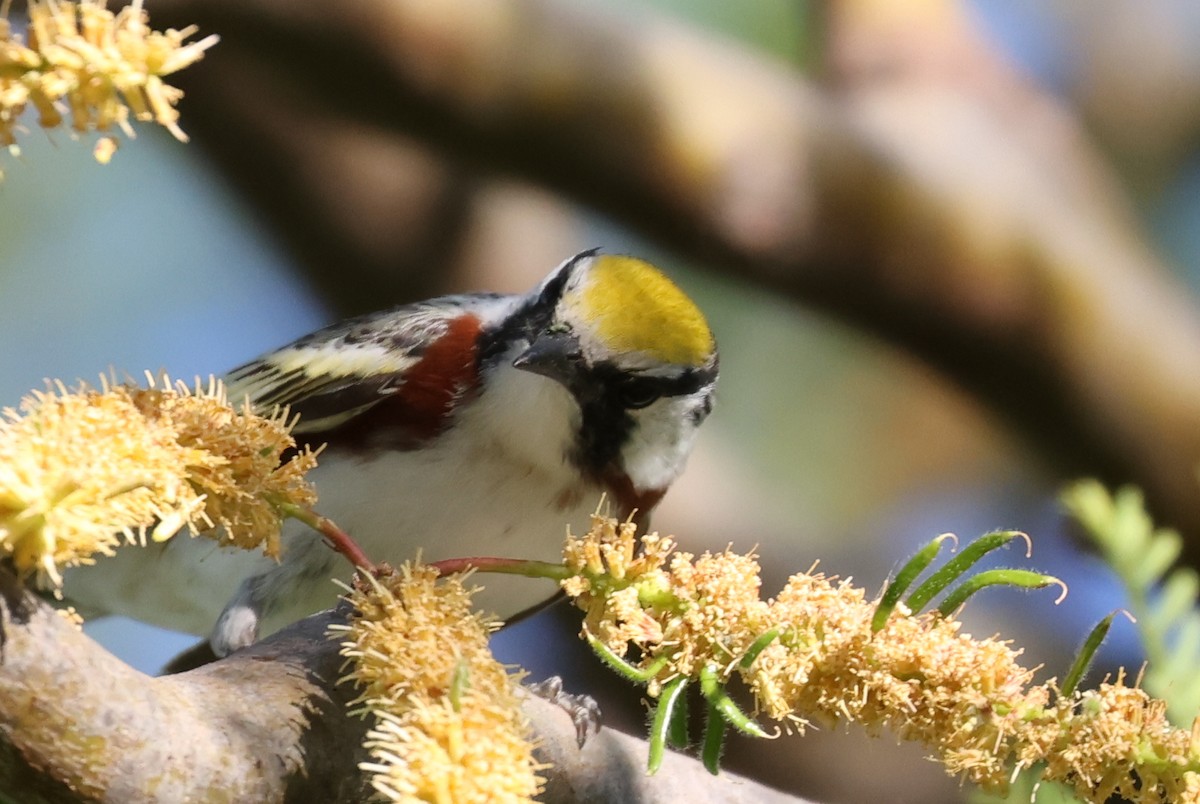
<point>449,727</point>
<point>92,65</point>
<point>811,654</point>
<point>82,471</point>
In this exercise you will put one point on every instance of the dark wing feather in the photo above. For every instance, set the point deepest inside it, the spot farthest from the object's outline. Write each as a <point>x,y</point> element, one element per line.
<point>336,374</point>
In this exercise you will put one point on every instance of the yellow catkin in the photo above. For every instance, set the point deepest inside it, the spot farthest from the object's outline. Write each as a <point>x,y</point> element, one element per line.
<point>82,63</point>
<point>243,489</point>
<point>83,471</point>
<point>448,724</point>
<point>920,677</point>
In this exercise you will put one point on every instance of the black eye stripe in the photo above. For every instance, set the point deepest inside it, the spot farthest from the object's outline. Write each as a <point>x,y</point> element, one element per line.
<point>637,392</point>
<point>621,382</point>
<point>689,382</point>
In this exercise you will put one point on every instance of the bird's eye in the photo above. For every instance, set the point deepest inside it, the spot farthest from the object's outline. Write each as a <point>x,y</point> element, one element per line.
<point>639,392</point>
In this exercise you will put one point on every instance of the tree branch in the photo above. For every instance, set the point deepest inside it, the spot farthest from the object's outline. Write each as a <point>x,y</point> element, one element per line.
<point>74,718</point>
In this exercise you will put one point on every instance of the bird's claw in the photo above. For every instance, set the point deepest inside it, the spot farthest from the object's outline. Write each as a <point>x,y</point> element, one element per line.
<point>583,709</point>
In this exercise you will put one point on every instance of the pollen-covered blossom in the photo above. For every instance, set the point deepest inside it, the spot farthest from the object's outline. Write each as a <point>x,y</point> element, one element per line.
<point>82,471</point>
<point>655,599</point>
<point>449,727</point>
<point>611,578</point>
<point>919,677</point>
<point>95,65</point>
<point>968,699</point>
<point>242,490</point>
<point>1101,736</point>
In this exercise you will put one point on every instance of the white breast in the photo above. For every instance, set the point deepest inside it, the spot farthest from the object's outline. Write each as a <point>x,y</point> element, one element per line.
<point>496,484</point>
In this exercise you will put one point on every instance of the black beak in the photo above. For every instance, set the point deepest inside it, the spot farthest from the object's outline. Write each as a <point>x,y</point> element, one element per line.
<point>555,355</point>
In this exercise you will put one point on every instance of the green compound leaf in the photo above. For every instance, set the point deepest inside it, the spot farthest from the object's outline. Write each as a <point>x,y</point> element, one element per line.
<point>1162,600</point>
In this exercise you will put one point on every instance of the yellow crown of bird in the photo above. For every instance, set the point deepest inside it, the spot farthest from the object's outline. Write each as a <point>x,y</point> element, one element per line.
<point>634,307</point>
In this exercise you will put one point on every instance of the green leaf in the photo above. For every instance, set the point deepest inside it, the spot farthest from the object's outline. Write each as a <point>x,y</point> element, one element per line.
<point>714,740</point>
<point>665,714</point>
<point>623,668</point>
<point>1141,556</point>
<point>677,731</point>
<point>757,647</point>
<point>904,579</point>
<point>955,567</point>
<point>1179,592</point>
<point>1091,506</point>
<point>1176,600</point>
<point>1021,579</point>
<point>460,682</point>
<point>1129,529</point>
<point>718,699</point>
<point>1157,557</point>
<point>1181,660</point>
<point>1083,660</point>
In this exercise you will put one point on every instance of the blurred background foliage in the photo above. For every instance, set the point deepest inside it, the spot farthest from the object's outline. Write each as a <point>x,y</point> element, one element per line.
<point>832,440</point>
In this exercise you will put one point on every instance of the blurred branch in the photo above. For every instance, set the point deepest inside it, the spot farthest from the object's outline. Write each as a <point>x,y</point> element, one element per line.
<point>923,191</point>
<point>266,724</point>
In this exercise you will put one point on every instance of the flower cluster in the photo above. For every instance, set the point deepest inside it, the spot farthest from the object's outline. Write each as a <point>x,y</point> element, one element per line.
<point>82,471</point>
<point>245,486</point>
<point>810,654</point>
<point>94,65</point>
<point>448,722</point>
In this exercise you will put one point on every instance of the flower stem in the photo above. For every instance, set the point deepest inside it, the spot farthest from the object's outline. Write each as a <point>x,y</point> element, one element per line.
<point>506,566</point>
<point>337,538</point>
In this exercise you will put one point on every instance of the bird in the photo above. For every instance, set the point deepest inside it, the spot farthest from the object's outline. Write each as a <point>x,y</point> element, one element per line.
<point>471,424</point>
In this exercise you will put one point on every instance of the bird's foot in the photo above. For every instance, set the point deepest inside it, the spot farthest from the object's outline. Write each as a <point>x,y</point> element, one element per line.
<point>237,628</point>
<point>583,709</point>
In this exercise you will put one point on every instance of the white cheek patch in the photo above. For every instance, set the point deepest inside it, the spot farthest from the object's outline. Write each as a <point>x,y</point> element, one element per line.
<point>661,442</point>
